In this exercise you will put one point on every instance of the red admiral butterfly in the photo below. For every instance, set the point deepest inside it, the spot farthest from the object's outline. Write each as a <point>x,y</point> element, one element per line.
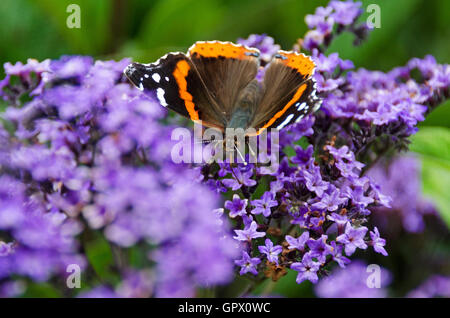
<point>215,83</point>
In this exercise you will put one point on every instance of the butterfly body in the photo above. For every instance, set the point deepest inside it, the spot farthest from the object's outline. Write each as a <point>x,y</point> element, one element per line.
<point>246,105</point>
<point>215,83</point>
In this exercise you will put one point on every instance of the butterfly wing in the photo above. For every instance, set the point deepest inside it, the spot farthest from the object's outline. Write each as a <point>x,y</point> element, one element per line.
<point>226,69</point>
<point>289,92</point>
<point>178,86</point>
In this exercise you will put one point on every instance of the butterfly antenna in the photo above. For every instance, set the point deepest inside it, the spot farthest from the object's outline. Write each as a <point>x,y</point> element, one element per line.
<point>203,141</point>
<point>240,155</point>
<point>252,152</point>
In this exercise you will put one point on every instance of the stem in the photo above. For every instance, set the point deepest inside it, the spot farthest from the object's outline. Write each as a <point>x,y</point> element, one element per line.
<point>85,239</point>
<point>269,288</point>
<point>251,287</point>
<point>120,259</point>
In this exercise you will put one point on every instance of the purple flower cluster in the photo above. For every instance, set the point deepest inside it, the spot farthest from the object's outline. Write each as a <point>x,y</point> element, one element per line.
<point>352,282</point>
<point>83,154</point>
<point>435,286</point>
<point>318,198</point>
<point>407,203</point>
<point>394,100</point>
<point>88,154</point>
<point>337,17</point>
<point>41,240</point>
<point>311,201</point>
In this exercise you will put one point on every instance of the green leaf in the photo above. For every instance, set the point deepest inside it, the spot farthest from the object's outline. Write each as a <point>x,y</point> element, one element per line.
<point>41,290</point>
<point>93,35</point>
<point>432,142</point>
<point>286,287</point>
<point>27,33</point>
<point>178,21</point>
<point>436,185</point>
<point>100,257</point>
<point>433,146</point>
<point>439,116</point>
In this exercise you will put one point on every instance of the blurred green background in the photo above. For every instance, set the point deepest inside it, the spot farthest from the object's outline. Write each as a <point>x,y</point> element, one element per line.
<point>145,30</point>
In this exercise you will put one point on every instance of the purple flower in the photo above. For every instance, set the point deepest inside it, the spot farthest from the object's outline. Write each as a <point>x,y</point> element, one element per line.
<point>271,251</point>
<point>99,292</point>
<point>319,248</point>
<point>434,286</point>
<point>345,12</point>
<point>236,206</point>
<point>329,202</point>
<point>299,242</point>
<point>351,282</point>
<point>276,186</point>
<point>264,204</point>
<point>264,43</point>
<point>322,23</point>
<point>339,219</point>
<point>330,63</point>
<point>404,193</point>
<point>313,20</point>
<point>302,156</point>
<point>224,169</point>
<point>11,289</point>
<point>137,284</point>
<point>353,238</point>
<point>307,269</point>
<point>239,179</point>
<point>6,248</point>
<point>247,219</point>
<point>216,186</point>
<point>314,181</point>
<point>248,233</point>
<point>32,66</point>
<point>71,66</point>
<point>358,197</point>
<point>341,153</point>
<point>378,243</point>
<point>337,255</point>
<point>248,264</point>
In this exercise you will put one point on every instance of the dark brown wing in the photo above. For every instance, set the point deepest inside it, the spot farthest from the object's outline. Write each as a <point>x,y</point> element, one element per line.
<point>226,69</point>
<point>178,86</point>
<point>289,91</point>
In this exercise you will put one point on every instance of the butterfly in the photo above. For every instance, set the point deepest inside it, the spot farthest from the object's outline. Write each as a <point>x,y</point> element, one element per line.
<point>216,83</point>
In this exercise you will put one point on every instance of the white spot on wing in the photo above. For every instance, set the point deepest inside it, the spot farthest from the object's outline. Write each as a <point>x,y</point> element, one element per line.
<point>146,75</point>
<point>299,118</point>
<point>166,78</point>
<point>286,121</point>
<point>160,95</point>
<point>301,106</point>
<point>156,77</point>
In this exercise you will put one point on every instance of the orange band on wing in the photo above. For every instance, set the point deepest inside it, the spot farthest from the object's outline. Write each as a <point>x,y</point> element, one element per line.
<point>181,71</point>
<point>228,50</point>
<point>296,97</point>
<point>300,62</point>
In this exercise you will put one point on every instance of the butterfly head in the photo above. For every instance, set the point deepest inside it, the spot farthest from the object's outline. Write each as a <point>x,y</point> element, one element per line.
<point>136,73</point>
